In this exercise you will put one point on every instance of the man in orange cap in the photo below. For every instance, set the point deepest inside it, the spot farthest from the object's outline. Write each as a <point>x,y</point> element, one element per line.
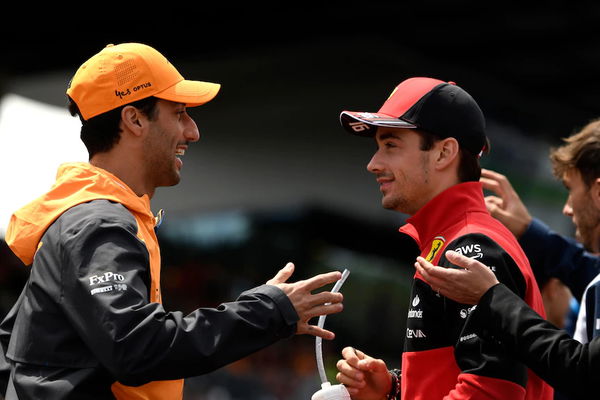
<point>89,322</point>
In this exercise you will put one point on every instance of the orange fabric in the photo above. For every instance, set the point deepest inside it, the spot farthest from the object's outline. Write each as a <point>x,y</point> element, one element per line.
<point>78,183</point>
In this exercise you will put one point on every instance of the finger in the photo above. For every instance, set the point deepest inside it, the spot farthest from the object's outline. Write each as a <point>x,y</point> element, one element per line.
<point>325,298</point>
<point>325,309</point>
<point>462,261</point>
<point>504,185</point>
<point>352,355</point>
<point>372,365</point>
<point>282,275</point>
<point>492,206</point>
<point>350,372</point>
<point>428,272</point>
<point>492,185</point>
<point>350,383</point>
<point>494,200</point>
<point>307,329</point>
<point>322,280</point>
<point>493,175</point>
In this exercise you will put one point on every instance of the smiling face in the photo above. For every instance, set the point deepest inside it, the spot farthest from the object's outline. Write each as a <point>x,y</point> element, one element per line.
<point>582,209</point>
<point>168,138</point>
<point>402,170</point>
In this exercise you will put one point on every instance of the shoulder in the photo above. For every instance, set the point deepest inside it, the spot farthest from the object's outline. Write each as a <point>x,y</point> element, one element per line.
<point>97,213</point>
<point>488,251</point>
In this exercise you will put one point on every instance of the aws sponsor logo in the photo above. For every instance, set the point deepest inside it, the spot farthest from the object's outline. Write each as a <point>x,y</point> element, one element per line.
<point>470,250</point>
<point>436,245</point>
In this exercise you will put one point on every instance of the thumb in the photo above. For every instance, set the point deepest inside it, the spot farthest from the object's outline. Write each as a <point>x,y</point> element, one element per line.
<point>372,365</point>
<point>282,275</point>
<point>460,260</point>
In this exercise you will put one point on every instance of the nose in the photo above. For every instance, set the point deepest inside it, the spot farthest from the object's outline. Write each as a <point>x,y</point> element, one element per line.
<point>191,132</point>
<point>374,166</point>
<point>567,209</point>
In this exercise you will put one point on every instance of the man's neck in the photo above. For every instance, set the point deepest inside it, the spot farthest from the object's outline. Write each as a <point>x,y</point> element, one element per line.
<point>131,176</point>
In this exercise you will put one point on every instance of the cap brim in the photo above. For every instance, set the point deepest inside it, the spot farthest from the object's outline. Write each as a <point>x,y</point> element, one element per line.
<point>191,93</point>
<point>366,124</point>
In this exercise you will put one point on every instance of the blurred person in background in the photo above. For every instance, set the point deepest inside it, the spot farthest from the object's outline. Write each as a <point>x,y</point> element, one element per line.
<point>430,135</point>
<point>89,323</point>
<point>576,164</point>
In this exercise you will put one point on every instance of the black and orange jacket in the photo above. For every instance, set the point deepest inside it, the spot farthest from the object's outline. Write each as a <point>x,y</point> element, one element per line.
<point>443,357</point>
<point>89,322</point>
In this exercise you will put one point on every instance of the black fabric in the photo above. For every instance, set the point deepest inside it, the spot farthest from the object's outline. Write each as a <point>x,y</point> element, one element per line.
<point>85,319</point>
<point>567,365</point>
<point>449,111</point>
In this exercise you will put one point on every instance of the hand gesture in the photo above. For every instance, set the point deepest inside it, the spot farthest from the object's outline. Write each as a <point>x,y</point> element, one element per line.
<point>465,286</point>
<point>366,378</point>
<point>310,305</point>
<point>507,206</point>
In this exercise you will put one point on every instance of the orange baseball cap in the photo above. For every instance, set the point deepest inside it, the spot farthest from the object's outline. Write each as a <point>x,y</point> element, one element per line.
<point>127,72</point>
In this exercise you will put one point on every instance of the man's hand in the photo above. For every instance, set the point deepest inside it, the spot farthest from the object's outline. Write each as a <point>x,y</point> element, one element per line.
<point>366,378</point>
<point>465,286</point>
<point>310,305</point>
<point>507,206</point>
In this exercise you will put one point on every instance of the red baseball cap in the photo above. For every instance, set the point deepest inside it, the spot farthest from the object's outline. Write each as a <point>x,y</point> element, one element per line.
<point>439,107</point>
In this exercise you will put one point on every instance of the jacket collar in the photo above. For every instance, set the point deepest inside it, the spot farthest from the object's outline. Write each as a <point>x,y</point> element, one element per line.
<point>445,210</point>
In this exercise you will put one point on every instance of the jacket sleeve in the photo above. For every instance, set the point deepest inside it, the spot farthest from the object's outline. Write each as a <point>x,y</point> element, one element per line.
<point>566,364</point>
<point>6,328</point>
<point>485,371</point>
<point>551,254</point>
<point>105,297</point>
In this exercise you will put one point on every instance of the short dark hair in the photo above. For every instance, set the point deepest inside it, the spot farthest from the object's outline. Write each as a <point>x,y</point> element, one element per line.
<point>469,168</point>
<point>100,133</point>
<point>581,152</point>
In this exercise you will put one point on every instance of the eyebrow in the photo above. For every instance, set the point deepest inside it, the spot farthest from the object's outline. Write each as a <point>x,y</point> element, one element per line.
<point>390,135</point>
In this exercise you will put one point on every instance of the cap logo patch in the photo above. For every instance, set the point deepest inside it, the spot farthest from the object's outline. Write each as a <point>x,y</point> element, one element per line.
<point>358,126</point>
<point>125,93</point>
<point>368,115</point>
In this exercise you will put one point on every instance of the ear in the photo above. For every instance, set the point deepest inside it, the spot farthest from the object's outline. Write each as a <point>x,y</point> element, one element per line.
<point>132,120</point>
<point>595,192</point>
<point>447,152</point>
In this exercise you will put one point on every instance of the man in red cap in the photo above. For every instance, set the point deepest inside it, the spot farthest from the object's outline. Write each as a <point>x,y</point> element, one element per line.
<point>89,323</point>
<point>430,135</point>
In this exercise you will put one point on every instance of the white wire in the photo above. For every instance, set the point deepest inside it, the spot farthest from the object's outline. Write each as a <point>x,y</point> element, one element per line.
<point>319,341</point>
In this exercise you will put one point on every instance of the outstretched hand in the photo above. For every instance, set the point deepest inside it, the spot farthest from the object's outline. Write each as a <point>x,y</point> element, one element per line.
<point>310,305</point>
<point>507,206</point>
<point>464,285</point>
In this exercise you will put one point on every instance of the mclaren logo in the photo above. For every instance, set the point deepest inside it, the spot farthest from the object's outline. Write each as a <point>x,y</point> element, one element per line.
<point>436,245</point>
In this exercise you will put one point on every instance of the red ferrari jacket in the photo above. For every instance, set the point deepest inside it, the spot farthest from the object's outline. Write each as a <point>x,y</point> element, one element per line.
<point>443,356</point>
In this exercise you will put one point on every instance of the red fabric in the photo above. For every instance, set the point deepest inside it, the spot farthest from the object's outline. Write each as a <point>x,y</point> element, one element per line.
<point>433,374</point>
